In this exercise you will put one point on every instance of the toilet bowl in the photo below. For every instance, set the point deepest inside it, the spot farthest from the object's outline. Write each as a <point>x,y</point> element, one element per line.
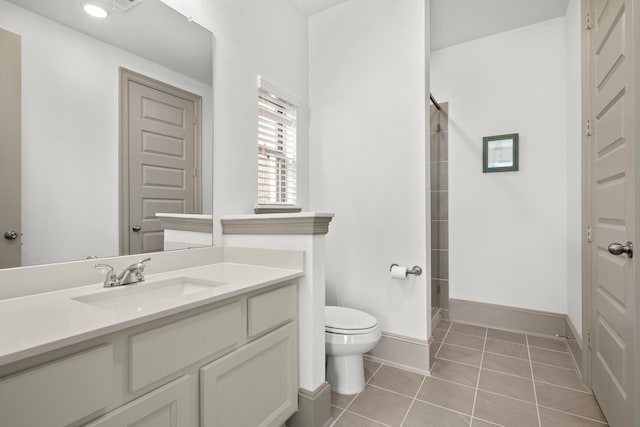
<point>349,333</point>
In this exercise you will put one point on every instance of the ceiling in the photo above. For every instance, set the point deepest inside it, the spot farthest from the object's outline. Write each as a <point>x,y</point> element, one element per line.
<point>151,30</point>
<point>458,21</point>
<point>310,7</point>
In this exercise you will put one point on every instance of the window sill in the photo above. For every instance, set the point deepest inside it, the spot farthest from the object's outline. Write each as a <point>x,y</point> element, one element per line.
<point>272,209</point>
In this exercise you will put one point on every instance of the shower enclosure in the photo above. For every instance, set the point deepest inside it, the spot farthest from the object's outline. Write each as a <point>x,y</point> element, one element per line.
<point>439,170</point>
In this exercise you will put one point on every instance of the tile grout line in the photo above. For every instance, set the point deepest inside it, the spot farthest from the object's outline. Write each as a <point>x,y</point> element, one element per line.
<point>461,346</point>
<point>461,363</point>
<point>563,386</point>
<point>424,377</point>
<point>367,418</point>
<point>358,394</point>
<point>533,383</point>
<point>575,415</point>
<point>477,388</point>
<point>534,361</point>
<point>507,373</point>
<point>488,422</point>
<point>506,355</point>
<point>475,395</point>
<point>342,411</point>
<point>551,365</point>
<point>508,397</point>
<point>390,391</point>
<point>573,359</point>
<point>443,338</point>
<point>443,407</point>
<point>491,392</point>
<point>493,329</point>
<point>452,382</point>
<point>550,349</point>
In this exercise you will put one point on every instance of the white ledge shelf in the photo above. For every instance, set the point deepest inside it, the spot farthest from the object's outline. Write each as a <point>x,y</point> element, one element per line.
<point>186,222</point>
<point>310,223</point>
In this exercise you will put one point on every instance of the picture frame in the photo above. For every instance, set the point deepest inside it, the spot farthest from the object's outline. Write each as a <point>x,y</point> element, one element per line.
<point>500,153</point>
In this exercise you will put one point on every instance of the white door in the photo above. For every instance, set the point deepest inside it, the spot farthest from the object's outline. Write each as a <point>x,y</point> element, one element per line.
<point>161,141</point>
<point>10,155</point>
<point>610,98</point>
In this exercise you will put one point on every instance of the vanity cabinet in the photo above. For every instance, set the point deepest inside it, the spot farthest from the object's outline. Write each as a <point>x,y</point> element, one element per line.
<point>167,406</point>
<point>262,376</point>
<point>231,363</point>
<point>59,392</point>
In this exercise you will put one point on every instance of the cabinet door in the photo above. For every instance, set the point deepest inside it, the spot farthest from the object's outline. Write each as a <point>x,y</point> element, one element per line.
<point>256,385</point>
<point>58,393</point>
<point>167,406</point>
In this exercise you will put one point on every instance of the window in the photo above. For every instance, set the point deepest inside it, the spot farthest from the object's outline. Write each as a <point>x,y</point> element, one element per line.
<point>276,149</point>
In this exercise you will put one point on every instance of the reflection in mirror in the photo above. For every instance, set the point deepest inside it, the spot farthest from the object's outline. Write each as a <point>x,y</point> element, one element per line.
<point>74,118</point>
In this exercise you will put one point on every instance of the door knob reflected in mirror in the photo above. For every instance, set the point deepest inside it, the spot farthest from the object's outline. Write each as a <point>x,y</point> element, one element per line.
<point>618,249</point>
<point>11,235</point>
<point>136,228</point>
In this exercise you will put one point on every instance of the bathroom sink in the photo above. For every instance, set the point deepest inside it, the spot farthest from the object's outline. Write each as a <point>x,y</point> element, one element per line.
<point>148,297</point>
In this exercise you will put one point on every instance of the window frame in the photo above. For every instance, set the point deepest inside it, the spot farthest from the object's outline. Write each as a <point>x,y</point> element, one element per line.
<point>269,93</point>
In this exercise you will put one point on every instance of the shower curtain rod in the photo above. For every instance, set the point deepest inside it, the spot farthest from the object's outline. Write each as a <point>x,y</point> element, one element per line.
<point>434,101</point>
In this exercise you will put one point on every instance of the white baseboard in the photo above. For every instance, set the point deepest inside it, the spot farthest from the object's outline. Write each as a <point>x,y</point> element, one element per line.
<point>402,352</point>
<point>509,318</point>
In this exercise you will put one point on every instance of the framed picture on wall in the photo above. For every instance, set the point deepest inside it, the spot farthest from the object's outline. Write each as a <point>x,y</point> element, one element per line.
<point>500,153</point>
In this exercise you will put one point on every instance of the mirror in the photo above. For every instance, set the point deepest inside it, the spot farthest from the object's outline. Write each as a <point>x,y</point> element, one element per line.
<point>70,116</point>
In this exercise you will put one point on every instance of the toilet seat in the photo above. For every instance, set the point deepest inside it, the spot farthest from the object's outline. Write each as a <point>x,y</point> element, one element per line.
<point>350,331</point>
<point>348,321</point>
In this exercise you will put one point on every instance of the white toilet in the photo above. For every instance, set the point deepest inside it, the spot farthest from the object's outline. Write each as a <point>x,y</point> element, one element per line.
<point>348,335</point>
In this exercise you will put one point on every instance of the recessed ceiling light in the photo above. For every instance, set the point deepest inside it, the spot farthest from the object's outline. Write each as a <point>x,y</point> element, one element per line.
<point>96,10</point>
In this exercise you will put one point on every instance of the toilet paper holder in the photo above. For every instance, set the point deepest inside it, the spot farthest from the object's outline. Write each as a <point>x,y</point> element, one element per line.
<point>415,270</point>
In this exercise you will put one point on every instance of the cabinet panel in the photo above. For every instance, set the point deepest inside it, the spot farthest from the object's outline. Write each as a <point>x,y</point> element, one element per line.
<point>60,392</point>
<point>157,353</point>
<point>167,406</point>
<point>272,309</point>
<point>254,386</point>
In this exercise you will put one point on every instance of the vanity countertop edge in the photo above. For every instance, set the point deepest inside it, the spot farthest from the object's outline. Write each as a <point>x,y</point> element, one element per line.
<point>35,324</point>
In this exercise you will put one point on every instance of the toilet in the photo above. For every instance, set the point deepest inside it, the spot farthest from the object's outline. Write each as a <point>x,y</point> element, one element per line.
<point>349,333</point>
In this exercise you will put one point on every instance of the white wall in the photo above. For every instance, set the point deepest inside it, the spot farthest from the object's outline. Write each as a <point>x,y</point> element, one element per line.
<point>574,164</point>
<point>368,137</point>
<point>508,231</point>
<point>70,137</point>
<point>253,37</point>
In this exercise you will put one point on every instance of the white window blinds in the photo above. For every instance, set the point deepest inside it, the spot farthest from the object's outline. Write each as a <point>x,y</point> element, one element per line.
<point>276,150</point>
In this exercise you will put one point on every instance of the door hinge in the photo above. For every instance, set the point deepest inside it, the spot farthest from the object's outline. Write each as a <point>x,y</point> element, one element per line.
<point>588,21</point>
<point>588,128</point>
<point>589,236</point>
<point>195,172</point>
<point>589,340</point>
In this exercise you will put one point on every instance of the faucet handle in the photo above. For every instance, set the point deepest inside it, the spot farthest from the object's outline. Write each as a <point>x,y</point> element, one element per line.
<point>110,278</point>
<point>140,269</point>
<point>140,265</point>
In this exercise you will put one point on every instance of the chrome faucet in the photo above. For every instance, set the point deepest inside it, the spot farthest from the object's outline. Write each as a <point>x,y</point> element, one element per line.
<point>131,274</point>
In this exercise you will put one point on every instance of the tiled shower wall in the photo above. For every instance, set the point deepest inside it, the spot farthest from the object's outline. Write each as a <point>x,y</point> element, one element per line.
<point>439,210</point>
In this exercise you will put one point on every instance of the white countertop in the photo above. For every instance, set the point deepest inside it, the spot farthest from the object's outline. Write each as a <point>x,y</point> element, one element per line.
<point>35,324</point>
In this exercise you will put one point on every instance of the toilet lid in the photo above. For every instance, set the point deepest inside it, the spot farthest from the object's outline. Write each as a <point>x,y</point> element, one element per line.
<point>348,319</point>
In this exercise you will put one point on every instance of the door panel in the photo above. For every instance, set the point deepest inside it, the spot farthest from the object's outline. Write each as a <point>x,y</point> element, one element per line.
<point>167,406</point>
<point>612,216</point>
<point>261,375</point>
<point>162,154</point>
<point>10,158</point>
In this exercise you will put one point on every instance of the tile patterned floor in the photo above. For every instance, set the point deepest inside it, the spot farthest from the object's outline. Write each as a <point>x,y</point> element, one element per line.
<point>482,377</point>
